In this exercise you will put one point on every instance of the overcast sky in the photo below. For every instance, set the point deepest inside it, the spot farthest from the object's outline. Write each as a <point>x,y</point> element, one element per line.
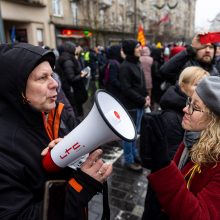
<point>206,10</point>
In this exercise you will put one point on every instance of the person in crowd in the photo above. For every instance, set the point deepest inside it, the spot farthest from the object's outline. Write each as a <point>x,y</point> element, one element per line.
<point>133,96</point>
<point>177,48</point>
<point>166,52</point>
<point>188,187</point>
<point>157,92</point>
<point>196,54</point>
<point>146,63</point>
<point>72,78</point>
<point>31,122</point>
<point>79,56</point>
<point>172,103</point>
<point>93,62</point>
<point>217,56</point>
<point>111,76</point>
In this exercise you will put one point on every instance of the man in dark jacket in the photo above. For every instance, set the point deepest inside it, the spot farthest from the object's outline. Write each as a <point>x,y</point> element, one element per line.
<point>133,95</point>
<point>197,54</point>
<point>72,76</point>
<point>111,78</point>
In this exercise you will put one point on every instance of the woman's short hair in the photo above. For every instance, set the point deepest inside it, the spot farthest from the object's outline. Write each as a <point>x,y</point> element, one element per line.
<point>191,74</point>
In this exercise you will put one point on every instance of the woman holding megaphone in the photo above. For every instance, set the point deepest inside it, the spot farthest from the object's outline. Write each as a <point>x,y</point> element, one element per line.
<point>30,119</point>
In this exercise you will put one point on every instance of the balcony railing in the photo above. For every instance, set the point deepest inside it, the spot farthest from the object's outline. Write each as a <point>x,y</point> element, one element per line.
<point>103,4</point>
<point>36,3</point>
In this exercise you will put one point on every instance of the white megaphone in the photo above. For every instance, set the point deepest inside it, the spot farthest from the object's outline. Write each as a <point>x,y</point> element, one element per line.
<point>107,121</point>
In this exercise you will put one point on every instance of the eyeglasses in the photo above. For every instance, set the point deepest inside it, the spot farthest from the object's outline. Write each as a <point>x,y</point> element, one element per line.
<point>191,108</point>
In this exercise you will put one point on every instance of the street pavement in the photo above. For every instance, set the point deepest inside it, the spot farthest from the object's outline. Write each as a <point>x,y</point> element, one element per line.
<point>127,189</point>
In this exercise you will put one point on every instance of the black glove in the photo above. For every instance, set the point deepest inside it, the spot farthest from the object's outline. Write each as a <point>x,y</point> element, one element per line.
<point>159,151</point>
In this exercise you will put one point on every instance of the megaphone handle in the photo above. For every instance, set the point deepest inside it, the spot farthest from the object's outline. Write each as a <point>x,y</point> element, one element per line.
<point>48,163</point>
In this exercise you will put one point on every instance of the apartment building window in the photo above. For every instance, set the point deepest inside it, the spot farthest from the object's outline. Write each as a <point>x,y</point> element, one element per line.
<point>57,8</point>
<point>102,17</point>
<point>40,38</point>
<point>74,12</point>
<point>121,2</point>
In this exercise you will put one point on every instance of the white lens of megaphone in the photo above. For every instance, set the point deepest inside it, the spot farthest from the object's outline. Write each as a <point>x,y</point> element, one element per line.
<point>115,116</point>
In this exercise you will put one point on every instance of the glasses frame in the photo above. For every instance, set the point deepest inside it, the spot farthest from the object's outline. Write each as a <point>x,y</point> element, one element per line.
<point>191,108</point>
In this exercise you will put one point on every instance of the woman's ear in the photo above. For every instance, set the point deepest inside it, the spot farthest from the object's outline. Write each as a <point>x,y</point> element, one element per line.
<point>25,100</point>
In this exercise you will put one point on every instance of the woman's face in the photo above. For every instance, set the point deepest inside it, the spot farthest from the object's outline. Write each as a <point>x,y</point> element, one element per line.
<point>41,88</point>
<point>196,117</point>
<point>137,50</point>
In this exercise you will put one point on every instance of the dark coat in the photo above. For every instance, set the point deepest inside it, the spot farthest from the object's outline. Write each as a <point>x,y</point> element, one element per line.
<point>133,88</point>
<point>113,85</point>
<point>69,68</point>
<point>158,61</point>
<point>172,103</point>
<point>171,69</point>
<point>23,137</point>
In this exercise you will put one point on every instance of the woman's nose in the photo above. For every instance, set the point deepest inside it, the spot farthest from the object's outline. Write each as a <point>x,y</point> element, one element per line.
<point>53,83</point>
<point>185,109</point>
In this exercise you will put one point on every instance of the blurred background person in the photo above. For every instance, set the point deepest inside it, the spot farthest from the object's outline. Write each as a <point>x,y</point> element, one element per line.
<point>146,63</point>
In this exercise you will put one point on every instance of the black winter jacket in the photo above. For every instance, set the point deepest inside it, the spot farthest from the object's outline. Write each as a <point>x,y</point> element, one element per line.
<point>23,137</point>
<point>171,69</point>
<point>133,89</point>
<point>69,69</point>
<point>172,103</point>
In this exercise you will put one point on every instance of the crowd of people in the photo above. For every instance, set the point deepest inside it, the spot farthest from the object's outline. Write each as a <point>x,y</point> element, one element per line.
<point>42,96</point>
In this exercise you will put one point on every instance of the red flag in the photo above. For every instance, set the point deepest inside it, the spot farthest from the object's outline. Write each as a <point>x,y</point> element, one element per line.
<point>164,19</point>
<point>140,36</point>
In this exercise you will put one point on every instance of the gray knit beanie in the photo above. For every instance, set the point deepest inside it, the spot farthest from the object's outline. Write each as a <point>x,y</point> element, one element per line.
<point>209,91</point>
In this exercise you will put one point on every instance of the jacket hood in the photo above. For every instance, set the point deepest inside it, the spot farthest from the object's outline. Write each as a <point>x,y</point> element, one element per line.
<point>173,99</point>
<point>114,52</point>
<point>128,46</point>
<point>16,64</point>
<point>145,51</point>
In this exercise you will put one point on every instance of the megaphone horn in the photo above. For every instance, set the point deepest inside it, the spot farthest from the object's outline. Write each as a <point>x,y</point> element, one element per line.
<point>107,121</point>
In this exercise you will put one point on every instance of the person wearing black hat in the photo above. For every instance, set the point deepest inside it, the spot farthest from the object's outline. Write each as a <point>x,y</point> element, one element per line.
<point>189,186</point>
<point>133,95</point>
<point>30,120</point>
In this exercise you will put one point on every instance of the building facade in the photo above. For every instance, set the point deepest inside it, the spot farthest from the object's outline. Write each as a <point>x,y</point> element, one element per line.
<point>95,22</point>
<point>215,24</point>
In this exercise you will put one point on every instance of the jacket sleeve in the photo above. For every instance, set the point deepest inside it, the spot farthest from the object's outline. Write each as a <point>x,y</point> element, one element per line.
<point>16,199</point>
<point>178,202</point>
<point>171,69</point>
<point>80,190</point>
